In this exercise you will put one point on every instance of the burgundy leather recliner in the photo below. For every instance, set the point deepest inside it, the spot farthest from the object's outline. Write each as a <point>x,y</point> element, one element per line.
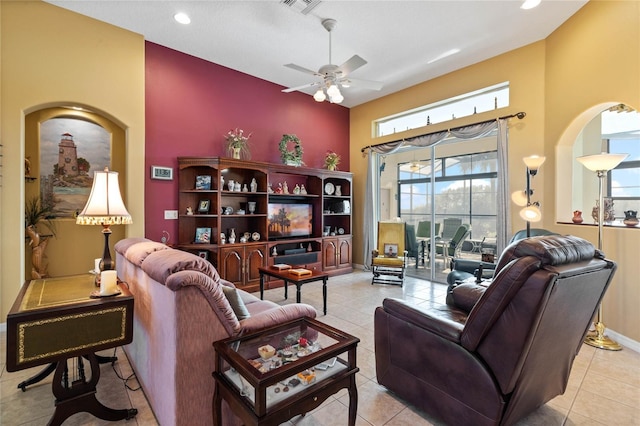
<point>500,351</point>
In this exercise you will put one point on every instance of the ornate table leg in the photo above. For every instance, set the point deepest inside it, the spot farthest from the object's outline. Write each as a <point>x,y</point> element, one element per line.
<point>81,396</point>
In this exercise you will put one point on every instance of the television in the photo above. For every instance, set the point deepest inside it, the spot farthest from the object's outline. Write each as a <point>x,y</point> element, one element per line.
<point>289,220</point>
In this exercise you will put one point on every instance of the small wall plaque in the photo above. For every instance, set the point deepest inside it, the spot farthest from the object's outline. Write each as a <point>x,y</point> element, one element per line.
<point>161,173</point>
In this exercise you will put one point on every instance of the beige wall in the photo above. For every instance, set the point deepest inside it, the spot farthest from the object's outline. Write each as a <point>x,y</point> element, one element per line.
<point>590,62</point>
<point>52,57</point>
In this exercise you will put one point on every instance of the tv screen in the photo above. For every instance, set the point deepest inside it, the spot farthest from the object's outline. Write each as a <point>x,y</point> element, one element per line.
<point>289,220</point>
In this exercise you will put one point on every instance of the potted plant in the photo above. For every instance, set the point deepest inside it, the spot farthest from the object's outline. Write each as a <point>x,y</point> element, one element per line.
<point>291,156</point>
<point>331,160</point>
<point>238,143</point>
<point>36,213</point>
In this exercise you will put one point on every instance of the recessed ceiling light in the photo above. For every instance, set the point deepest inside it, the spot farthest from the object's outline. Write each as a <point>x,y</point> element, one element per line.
<point>182,18</point>
<point>444,55</point>
<point>530,4</point>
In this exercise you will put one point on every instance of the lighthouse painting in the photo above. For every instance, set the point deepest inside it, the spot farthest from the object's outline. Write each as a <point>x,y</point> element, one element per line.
<point>70,151</point>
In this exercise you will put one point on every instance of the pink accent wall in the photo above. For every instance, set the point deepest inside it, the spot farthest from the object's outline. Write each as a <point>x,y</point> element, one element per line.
<point>191,104</point>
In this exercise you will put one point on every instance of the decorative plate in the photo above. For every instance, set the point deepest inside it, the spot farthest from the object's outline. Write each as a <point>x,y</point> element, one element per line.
<point>329,188</point>
<point>255,236</point>
<point>340,231</point>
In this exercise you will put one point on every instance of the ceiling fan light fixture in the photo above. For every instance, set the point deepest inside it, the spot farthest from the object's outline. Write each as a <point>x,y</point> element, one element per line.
<point>319,96</point>
<point>336,98</point>
<point>333,90</point>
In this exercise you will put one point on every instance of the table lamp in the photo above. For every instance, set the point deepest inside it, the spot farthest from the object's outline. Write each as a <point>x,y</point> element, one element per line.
<point>105,207</point>
<point>601,164</point>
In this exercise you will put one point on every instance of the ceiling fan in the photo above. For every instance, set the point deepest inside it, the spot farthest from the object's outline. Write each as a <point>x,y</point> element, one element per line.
<point>332,77</point>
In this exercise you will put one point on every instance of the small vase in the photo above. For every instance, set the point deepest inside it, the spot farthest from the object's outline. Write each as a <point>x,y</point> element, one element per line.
<point>236,153</point>
<point>577,217</point>
<point>232,236</point>
<point>254,185</point>
<point>338,190</point>
<point>630,218</point>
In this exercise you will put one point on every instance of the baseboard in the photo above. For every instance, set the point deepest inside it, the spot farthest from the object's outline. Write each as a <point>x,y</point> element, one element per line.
<point>3,327</point>
<point>624,341</point>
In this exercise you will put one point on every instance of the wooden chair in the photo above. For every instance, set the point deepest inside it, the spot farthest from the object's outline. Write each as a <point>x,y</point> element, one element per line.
<point>389,260</point>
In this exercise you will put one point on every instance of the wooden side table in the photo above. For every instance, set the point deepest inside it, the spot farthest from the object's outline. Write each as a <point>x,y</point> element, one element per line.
<point>54,320</point>
<point>298,280</point>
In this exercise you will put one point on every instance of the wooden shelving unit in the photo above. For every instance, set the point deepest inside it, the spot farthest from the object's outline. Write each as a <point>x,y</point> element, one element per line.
<point>327,248</point>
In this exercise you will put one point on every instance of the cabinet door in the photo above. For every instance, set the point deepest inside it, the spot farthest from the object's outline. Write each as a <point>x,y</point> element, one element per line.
<point>344,252</point>
<point>231,262</point>
<point>255,256</point>
<point>330,254</point>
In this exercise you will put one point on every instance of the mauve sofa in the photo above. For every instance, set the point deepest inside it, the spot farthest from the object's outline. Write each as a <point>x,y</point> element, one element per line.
<point>180,310</point>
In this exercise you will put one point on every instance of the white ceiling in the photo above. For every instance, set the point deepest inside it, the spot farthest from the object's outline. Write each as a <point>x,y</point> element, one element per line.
<point>396,38</point>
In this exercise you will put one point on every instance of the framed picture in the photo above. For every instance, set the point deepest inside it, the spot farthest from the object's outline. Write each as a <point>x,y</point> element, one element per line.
<point>204,254</point>
<point>203,235</point>
<point>161,173</point>
<point>390,250</point>
<point>203,206</point>
<point>203,182</point>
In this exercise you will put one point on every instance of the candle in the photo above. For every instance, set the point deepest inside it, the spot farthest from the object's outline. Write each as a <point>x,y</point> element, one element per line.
<point>96,268</point>
<point>108,283</point>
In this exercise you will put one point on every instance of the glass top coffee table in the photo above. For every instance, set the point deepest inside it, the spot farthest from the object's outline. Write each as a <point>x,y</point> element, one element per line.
<point>267,377</point>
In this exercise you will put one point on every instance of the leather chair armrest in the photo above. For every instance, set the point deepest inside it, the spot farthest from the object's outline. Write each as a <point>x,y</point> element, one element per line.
<point>470,266</point>
<point>442,320</point>
<point>465,296</point>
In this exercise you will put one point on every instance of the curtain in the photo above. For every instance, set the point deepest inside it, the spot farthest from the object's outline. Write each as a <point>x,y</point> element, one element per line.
<point>503,214</point>
<point>371,198</point>
<point>468,132</point>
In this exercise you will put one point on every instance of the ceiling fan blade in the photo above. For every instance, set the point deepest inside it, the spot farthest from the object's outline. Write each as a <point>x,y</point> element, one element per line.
<point>364,84</point>
<point>351,65</point>
<point>304,86</point>
<point>302,69</point>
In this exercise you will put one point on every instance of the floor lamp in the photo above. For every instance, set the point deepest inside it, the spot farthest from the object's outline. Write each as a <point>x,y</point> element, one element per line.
<point>531,211</point>
<point>601,164</point>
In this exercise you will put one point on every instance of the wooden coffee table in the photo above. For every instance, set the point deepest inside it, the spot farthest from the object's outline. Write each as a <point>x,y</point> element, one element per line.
<point>295,381</point>
<point>288,277</point>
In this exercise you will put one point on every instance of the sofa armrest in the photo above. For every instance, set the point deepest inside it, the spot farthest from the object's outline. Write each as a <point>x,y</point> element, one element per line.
<point>444,321</point>
<point>277,315</point>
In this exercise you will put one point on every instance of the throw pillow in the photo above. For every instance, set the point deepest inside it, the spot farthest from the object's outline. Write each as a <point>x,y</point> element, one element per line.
<point>236,302</point>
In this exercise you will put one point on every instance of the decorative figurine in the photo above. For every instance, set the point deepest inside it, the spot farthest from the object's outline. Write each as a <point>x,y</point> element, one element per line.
<point>269,189</point>
<point>237,186</point>
<point>274,252</point>
<point>231,185</point>
<point>223,238</point>
<point>232,236</point>
<point>221,182</point>
<point>279,189</point>
<point>285,188</point>
<point>254,185</point>
<point>244,188</point>
<point>303,190</point>
<point>296,190</point>
<point>189,211</point>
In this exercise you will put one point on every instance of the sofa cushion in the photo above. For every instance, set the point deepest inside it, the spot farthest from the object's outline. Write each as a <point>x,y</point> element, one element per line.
<point>213,292</point>
<point>159,265</point>
<point>236,302</point>
<point>123,245</point>
<point>137,253</point>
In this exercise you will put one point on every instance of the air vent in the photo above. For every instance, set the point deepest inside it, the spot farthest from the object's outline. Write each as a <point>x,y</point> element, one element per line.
<point>302,6</point>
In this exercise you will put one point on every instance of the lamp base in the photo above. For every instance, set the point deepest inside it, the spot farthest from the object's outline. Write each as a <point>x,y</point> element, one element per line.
<point>597,339</point>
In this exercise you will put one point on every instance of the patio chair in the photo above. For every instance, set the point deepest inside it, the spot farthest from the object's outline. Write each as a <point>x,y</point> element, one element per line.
<point>424,236</point>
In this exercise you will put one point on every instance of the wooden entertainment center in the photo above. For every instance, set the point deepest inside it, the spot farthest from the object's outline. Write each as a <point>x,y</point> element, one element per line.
<point>324,243</point>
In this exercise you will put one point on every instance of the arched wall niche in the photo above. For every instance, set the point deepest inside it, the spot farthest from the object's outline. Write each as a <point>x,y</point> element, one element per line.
<point>584,184</point>
<point>73,249</point>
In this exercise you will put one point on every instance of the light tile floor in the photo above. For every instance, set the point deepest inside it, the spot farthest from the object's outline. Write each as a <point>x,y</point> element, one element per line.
<point>604,388</point>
